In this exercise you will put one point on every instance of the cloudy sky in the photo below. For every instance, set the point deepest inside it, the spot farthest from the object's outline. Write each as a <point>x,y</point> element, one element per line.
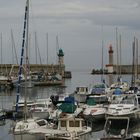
<point>80,25</point>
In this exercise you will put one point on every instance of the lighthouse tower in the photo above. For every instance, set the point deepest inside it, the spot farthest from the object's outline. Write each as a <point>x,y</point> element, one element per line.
<point>110,65</point>
<point>60,57</point>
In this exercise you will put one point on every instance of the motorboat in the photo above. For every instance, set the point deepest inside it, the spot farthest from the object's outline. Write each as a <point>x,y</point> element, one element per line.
<point>22,128</point>
<point>124,105</point>
<point>81,93</point>
<point>41,108</point>
<point>123,86</point>
<point>93,109</point>
<point>5,82</point>
<point>69,107</point>
<point>99,88</point>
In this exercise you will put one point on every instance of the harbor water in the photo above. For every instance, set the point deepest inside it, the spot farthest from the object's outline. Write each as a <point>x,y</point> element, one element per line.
<point>8,98</point>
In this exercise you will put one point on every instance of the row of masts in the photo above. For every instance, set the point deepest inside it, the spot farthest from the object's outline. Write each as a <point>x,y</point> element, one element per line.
<point>38,58</point>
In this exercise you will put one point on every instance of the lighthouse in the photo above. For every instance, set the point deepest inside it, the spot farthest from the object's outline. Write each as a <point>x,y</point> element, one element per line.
<point>110,65</point>
<point>60,57</point>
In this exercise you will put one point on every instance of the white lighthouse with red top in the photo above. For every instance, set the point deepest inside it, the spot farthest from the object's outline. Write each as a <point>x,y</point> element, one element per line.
<point>110,65</point>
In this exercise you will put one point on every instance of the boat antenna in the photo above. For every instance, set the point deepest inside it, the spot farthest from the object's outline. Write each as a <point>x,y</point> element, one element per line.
<point>22,55</point>
<point>133,64</point>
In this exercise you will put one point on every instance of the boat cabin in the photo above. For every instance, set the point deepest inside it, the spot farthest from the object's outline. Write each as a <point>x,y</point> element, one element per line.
<point>71,124</point>
<point>81,90</point>
<point>68,129</point>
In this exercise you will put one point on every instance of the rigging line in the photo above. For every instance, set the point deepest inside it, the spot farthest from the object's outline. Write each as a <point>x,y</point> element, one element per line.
<point>14,47</point>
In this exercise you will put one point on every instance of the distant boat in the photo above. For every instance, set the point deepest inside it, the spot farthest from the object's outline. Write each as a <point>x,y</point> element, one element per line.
<point>2,117</point>
<point>52,79</point>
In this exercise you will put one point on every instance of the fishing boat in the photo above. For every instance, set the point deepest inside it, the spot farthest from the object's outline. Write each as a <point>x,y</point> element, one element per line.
<point>69,128</point>
<point>124,105</point>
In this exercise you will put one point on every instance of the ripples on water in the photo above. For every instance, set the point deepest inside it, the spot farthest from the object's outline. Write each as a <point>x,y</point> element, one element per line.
<point>7,98</point>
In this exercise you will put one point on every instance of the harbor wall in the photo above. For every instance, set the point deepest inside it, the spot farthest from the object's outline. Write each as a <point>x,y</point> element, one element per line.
<point>126,69</point>
<point>10,69</point>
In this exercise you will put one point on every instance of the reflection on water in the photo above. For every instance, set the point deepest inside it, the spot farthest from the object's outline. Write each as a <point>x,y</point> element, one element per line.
<point>8,98</point>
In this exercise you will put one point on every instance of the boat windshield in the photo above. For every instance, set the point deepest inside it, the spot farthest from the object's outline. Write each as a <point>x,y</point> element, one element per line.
<point>99,86</point>
<point>128,101</point>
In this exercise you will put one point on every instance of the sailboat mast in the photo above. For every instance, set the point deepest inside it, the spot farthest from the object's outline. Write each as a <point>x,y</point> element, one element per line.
<point>117,50</point>
<point>137,55</point>
<point>1,50</point>
<point>102,63</point>
<point>47,47</point>
<point>57,48</point>
<point>120,53</point>
<point>22,55</point>
<point>26,61</point>
<point>133,64</point>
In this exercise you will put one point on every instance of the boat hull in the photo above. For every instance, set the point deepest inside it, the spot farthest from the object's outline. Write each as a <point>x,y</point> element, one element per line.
<point>26,136</point>
<point>133,115</point>
<point>81,98</point>
<point>94,118</point>
<point>81,137</point>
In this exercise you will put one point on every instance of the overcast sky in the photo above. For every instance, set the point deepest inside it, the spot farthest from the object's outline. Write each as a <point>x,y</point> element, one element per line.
<point>81,25</point>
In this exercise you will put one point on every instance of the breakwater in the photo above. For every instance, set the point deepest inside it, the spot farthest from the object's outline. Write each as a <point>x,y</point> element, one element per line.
<point>12,69</point>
